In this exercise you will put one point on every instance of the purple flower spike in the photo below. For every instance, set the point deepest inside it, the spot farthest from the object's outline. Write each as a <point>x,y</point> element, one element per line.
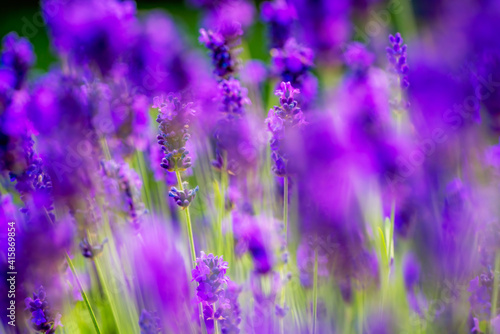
<point>173,118</point>
<point>185,197</point>
<point>411,271</point>
<point>18,55</point>
<point>149,323</point>
<point>292,62</point>
<point>280,16</point>
<point>280,121</point>
<point>220,52</point>
<point>42,318</point>
<point>90,251</point>
<point>233,96</point>
<point>214,286</point>
<point>210,273</point>
<point>397,57</point>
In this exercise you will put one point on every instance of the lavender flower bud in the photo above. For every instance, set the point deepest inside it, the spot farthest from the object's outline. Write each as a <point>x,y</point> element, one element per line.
<point>173,119</point>
<point>183,197</point>
<point>396,54</point>
<point>42,317</point>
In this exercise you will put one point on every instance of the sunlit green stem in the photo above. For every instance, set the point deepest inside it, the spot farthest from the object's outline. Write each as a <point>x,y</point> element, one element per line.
<point>80,287</point>
<point>188,222</point>
<point>315,291</point>
<point>191,246</point>
<point>285,208</point>
<point>216,327</point>
<point>84,295</point>
<point>496,282</point>
<point>285,222</point>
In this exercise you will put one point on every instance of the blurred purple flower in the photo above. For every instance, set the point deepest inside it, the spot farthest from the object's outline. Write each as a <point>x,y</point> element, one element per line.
<point>17,55</point>
<point>280,16</point>
<point>92,32</point>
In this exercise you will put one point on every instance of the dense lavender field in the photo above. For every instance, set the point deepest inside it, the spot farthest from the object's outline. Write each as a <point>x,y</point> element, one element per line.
<point>230,166</point>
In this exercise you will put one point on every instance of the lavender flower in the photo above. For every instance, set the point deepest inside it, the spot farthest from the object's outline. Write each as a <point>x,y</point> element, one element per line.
<point>293,62</point>
<point>481,291</point>
<point>254,234</point>
<point>124,184</point>
<point>173,117</point>
<point>324,25</point>
<point>233,97</point>
<point>229,312</point>
<point>90,251</point>
<point>17,55</point>
<point>92,32</point>
<point>210,273</point>
<point>149,323</point>
<point>280,16</point>
<point>184,197</point>
<point>42,318</point>
<point>396,54</point>
<point>281,120</point>
<point>223,61</point>
<point>32,183</point>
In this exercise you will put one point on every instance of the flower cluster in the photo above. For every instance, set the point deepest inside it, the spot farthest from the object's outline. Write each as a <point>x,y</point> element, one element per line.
<point>223,61</point>
<point>149,323</point>
<point>183,197</point>
<point>32,183</point>
<point>481,291</point>
<point>125,184</point>
<point>17,56</point>
<point>233,97</point>
<point>280,120</point>
<point>90,251</point>
<point>396,54</point>
<point>280,16</point>
<point>173,118</point>
<point>292,62</point>
<point>210,273</point>
<point>214,286</point>
<point>42,318</point>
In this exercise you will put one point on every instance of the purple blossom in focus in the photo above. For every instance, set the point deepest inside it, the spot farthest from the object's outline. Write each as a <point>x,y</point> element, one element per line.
<point>280,16</point>
<point>280,121</point>
<point>396,54</point>
<point>42,317</point>
<point>174,117</point>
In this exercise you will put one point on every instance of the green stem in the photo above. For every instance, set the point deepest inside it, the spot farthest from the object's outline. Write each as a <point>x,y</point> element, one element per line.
<point>315,290</point>
<point>496,282</point>
<point>285,208</point>
<point>84,295</point>
<point>188,222</point>
<point>73,270</point>
<point>216,327</point>
<point>107,294</point>
<point>285,222</point>
<point>191,246</point>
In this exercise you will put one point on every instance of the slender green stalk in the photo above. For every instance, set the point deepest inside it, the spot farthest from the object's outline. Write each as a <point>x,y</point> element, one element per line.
<point>315,291</point>
<point>188,222</point>
<point>108,296</point>
<point>73,270</point>
<point>285,208</point>
<point>84,295</point>
<point>285,222</point>
<point>191,246</point>
<point>216,327</point>
<point>496,282</point>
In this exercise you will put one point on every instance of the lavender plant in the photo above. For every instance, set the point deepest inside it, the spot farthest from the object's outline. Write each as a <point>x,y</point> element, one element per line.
<point>365,201</point>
